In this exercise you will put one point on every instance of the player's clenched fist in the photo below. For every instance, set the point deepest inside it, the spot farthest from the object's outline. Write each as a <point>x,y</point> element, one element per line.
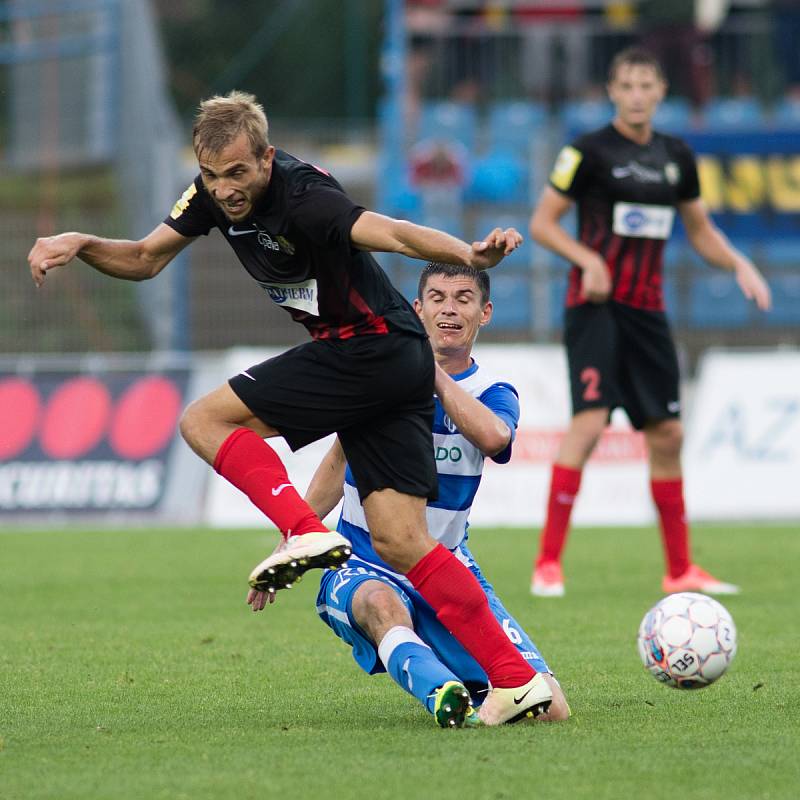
<point>53,251</point>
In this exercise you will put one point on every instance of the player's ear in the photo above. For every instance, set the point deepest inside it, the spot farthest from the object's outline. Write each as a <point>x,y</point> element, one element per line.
<point>418,306</point>
<point>486,314</point>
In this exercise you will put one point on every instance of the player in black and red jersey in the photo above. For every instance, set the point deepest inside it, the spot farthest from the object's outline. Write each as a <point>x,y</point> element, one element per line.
<point>367,374</point>
<point>627,181</point>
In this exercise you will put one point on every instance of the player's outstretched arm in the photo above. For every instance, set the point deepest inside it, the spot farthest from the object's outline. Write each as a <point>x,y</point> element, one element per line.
<point>546,229</point>
<point>129,260</point>
<point>712,244</point>
<point>478,423</point>
<point>378,233</point>
<point>327,484</point>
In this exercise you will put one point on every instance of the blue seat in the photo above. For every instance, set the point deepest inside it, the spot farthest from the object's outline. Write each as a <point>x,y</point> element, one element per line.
<point>672,304</point>
<point>787,114</point>
<point>556,295</point>
<point>715,301</point>
<point>579,116</point>
<point>511,295</point>
<point>782,253</point>
<point>674,114</point>
<point>446,120</point>
<point>520,259</point>
<point>733,113</point>
<point>514,125</point>
<point>785,299</point>
<point>499,176</point>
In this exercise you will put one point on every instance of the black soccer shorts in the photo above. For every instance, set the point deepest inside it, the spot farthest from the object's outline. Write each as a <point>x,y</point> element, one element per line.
<point>620,356</point>
<point>375,392</point>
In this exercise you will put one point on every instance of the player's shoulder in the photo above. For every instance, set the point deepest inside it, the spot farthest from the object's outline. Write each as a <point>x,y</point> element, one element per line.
<point>298,175</point>
<point>673,144</point>
<point>478,380</point>
<point>594,140</point>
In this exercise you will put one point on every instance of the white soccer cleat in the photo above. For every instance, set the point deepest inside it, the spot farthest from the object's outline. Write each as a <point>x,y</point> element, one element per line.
<point>298,554</point>
<point>516,705</point>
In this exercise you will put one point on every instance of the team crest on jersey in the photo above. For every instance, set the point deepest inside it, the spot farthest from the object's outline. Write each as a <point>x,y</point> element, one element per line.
<point>183,202</point>
<point>672,173</point>
<point>566,165</point>
<point>285,245</point>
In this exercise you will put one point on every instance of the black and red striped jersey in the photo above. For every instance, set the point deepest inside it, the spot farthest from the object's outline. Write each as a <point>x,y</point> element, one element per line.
<point>296,245</point>
<point>626,196</point>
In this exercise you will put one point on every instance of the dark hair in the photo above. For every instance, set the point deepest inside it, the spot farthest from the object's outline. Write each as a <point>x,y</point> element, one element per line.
<point>634,56</point>
<point>480,276</point>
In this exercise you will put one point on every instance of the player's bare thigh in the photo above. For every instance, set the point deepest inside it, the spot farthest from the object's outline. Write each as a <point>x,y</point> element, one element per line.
<point>585,429</point>
<point>207,422</point>
<point>398,528</point>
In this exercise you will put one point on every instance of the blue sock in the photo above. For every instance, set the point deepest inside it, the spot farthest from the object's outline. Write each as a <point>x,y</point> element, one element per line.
<point>413,665</point>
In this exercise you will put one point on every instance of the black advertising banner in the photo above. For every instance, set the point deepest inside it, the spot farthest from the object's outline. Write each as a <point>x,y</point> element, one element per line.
<point>87,442</point>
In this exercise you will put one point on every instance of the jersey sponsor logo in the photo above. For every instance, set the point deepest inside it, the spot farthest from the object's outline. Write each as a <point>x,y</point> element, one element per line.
<point>183,202</point>
<point>453,454</point>
<point>267,242</point>
<point>567,163</point>
<point>640,173</point>
<point>643,221</point>
<point>302,296</point>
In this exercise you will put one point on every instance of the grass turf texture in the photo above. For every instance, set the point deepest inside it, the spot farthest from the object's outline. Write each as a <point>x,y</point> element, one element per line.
<point>130,667</point>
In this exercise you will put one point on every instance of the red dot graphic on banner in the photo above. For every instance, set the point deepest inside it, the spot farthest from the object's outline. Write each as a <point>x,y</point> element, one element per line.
<point>76,418</point>
<point>145,417</point>
<point>20,406</point>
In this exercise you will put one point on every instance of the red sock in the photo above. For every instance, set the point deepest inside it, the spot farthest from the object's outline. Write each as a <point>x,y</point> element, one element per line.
<point>564,485</point>
<point>251,465</point>
<point>668,497</point>
<point>461,606</point>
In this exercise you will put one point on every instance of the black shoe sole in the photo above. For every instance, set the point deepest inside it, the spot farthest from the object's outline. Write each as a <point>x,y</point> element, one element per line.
<point>531,713</point>
<point>284,576</point>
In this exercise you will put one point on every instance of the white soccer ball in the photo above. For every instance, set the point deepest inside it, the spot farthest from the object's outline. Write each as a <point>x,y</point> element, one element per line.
<point>687,640</point>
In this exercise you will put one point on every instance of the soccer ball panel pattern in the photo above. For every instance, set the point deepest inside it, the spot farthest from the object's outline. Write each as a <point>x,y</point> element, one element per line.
<point>687,640</point>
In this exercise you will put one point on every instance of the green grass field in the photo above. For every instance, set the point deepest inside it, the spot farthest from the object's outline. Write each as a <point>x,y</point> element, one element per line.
<point>130,667</point>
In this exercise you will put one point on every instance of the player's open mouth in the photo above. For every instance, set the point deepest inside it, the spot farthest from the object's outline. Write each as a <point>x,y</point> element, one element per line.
<point>448,326</point>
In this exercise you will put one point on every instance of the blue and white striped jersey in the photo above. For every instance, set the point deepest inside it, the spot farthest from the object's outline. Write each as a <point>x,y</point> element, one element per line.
<point>459,465</point>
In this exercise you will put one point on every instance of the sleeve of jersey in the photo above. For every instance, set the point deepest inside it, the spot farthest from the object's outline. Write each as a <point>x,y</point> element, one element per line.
<point>190,215</point>
<point>324,213</point>
<point>689,188</point>
<point>502,398</point>
<point>569,171</point>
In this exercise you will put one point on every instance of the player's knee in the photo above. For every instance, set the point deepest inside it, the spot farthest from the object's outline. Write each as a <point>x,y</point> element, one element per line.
<point>376,607</point>
<point>666,438</point>
<point>191,422</point>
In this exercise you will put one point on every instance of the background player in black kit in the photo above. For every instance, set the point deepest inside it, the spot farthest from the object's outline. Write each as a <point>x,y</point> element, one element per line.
<point>367,374</point>
<point>627,181</point>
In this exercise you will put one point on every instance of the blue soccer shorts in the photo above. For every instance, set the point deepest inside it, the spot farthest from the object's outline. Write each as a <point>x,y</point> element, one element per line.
<point>334,606</point>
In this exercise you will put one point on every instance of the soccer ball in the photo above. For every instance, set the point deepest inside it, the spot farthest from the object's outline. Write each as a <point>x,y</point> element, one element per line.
<point>687,640</point>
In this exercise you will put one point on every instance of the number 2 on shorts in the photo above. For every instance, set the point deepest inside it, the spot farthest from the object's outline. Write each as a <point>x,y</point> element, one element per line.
<point>590,378</point>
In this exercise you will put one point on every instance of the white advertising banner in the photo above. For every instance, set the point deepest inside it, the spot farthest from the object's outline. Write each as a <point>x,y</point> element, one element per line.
<point>615,486</point>
<point>742,453</point>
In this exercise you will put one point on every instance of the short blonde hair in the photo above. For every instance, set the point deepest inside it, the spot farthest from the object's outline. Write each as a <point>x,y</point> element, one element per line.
<point>220,119</point>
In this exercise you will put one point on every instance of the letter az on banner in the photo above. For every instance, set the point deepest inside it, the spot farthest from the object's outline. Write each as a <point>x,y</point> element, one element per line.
<point>742,455</point>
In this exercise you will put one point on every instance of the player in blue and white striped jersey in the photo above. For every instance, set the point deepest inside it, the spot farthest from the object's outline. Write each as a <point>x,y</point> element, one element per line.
<point>373,608</point>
